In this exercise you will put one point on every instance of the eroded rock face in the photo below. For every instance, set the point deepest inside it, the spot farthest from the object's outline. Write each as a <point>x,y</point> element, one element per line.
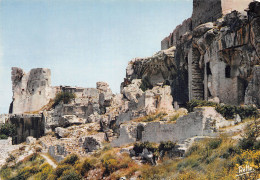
<point>32,90</point>
<point>160,69</point>
<point>253,90</point>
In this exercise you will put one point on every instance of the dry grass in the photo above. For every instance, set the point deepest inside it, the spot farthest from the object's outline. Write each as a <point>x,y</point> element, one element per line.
<point>151,118</point>
<point>47,107</point>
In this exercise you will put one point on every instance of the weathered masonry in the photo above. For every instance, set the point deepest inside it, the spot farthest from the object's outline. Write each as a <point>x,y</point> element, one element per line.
<point>27,125</point>
<point>220,48</point>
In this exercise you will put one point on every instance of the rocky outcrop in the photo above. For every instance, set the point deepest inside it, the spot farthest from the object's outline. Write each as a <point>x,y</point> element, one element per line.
<point>160,69</point>
<point>252,95</point>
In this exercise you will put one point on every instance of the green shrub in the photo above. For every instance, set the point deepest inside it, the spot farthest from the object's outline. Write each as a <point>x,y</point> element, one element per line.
<point>146,84</point>
<point>189,162</point>
<point>5,172</point>
<point>64,97</point>
<point>27,172</point>
<point>45,171</point>
<point>33,157</point>
<point>8,129</point>
<point>10,158</point>
<point>110,165</point>
<point>154,117</point>
<point>84,167</point>
<point>228,111</point>
<point>193,149</point>
<point>70,175</point>
<point>139,147</point>
<point>71,159</point>
<point>166,146</point>
<point>214,143</point>
<point>249,140</point>
<point>61,168</point>
<point>3,136</point>
<point>198,103</point>
<point>174,117</point>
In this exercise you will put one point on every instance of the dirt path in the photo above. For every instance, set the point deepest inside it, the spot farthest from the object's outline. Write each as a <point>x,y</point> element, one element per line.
<point>50,161</point>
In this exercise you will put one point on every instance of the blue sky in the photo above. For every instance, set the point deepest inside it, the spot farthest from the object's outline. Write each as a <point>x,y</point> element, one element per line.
<point>82,41</point>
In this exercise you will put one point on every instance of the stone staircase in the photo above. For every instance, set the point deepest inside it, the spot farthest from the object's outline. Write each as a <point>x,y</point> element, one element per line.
<point>197,85</point>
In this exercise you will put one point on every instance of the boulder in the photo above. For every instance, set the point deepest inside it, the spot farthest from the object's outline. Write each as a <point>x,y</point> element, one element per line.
<point>105,95</point>
<point>133,92</point>
<point>214,100</point>
<point>237,119</point>
<point>70,120</point>
<point>30,140</point>
<point>148,156</point>
<point>61,132</point>
<point>202,29</point>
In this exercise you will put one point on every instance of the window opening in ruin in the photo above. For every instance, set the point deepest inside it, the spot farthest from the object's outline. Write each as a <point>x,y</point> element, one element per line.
<point>208,69</point>
<point>40,92</point>
<point>32,90</point>
<point>228,71</point>
<point>140,130</point>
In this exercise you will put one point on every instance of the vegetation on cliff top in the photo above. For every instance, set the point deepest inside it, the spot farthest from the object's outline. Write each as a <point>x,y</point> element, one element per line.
<point>227,111</point>
<point>65,97</point>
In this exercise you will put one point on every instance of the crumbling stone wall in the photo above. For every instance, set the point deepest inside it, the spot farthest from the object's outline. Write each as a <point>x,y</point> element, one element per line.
<point>203,122</point>
<point>27,125</point>
<point>177,34</point>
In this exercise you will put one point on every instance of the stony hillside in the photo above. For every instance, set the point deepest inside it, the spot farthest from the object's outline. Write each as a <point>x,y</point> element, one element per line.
<point>190,111</point>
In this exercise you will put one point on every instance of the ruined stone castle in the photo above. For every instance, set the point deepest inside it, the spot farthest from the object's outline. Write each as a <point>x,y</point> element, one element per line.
<point>214,55</point>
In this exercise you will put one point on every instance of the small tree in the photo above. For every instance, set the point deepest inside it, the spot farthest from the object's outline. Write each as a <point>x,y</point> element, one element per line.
<point>7,130</point>
<point>65,97</point>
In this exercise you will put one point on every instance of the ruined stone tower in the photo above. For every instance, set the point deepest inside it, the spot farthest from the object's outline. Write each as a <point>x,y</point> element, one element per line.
<point>32,90</point>
<point>204,11</point>
<point>210,10</point>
